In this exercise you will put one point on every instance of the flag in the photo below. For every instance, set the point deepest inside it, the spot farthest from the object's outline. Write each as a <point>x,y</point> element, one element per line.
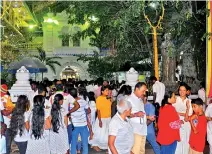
<point>209,53</point>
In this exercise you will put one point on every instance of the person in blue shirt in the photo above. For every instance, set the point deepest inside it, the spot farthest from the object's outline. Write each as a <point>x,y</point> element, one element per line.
<point>151,138</point>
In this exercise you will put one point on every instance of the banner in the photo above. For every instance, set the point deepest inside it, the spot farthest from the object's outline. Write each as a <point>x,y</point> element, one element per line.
<point>209,53</point>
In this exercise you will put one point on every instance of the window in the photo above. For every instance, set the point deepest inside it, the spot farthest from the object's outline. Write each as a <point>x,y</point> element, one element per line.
<point>76,41</point>
<point>65,40</point>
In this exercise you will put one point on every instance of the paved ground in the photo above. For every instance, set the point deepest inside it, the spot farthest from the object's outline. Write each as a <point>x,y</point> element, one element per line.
<point>148,150</point>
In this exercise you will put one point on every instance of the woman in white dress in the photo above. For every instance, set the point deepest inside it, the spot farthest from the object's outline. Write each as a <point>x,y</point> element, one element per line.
<point>208,114</point>
<point>58,132</point>
<point>184,109</point>
<point>39,128</point>
<point>19,124</point>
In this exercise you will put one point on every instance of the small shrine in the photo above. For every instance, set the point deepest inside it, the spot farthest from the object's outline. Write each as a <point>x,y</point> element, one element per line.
<point>22,85</point>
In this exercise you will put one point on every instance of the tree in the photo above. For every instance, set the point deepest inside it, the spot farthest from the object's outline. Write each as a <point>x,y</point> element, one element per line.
<point>48,61</point>
<point>118,31</point>
<point>120,27</point>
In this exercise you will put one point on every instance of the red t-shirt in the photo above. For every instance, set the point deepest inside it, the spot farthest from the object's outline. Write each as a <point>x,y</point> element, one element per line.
<point>166,134</point>
<point>197,141</point>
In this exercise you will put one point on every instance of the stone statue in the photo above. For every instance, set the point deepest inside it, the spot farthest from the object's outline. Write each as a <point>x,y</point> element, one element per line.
<point>168,52</point>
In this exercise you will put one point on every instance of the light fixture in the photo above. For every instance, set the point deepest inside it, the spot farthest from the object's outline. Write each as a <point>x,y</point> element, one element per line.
<point>154,5</point>
<point>31,26</point>
<point>50,20</point>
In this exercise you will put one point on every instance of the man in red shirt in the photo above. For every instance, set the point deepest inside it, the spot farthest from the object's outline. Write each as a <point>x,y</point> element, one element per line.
<point>199,127</point>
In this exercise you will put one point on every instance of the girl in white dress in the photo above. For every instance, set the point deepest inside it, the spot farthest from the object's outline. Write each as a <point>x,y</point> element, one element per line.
<point>58,132</point>
<point>208,114</point>
<point>184,109</point>
<point>19,124</point>
<point>92,115</point>
<point>39,128</point>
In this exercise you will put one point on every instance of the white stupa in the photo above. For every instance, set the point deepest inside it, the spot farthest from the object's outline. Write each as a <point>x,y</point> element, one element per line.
<point>22,85</point>
<point>132,77</point>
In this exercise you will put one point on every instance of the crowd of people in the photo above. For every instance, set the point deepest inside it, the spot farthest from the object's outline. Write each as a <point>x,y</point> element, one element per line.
<point>68,117</point>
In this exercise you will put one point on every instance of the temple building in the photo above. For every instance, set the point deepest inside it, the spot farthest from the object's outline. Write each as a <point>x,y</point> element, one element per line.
<point>50,31</point>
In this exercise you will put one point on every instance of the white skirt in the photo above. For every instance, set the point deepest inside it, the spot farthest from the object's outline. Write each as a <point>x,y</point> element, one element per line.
<point>59,141</point>
<point>183,145</point>
<point>100,137</point>
<point>40,146</point>
<point>209,133</point>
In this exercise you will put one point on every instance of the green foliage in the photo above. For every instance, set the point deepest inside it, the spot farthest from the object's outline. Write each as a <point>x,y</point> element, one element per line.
<point>99,66</point>
<point>48,61</point>
<point>122,29</point>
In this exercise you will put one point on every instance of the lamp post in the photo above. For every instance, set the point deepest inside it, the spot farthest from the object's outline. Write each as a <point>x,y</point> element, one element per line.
<point>154,32</point>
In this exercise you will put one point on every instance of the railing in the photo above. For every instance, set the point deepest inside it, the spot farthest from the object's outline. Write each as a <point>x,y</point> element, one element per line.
<point>30,46</point>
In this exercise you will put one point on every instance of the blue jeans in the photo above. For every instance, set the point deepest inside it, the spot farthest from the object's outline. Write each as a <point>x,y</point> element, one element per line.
<point>152,140</point>
<point>169,149</point>
<point>8,140</point>
<point>69,133</point>
<point>79,145</point>
<point>22,146</point>
<point>83,131</point>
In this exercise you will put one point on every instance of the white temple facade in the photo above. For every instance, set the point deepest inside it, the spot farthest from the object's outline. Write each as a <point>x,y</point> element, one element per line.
<point>57,40</point>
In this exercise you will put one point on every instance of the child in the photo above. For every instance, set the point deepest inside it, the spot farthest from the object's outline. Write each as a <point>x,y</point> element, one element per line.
<point>58,132</point>
<point>19,124</point>
<point>168,123</point>
<point>208,114</point>
<point>39,125</point>
<point>198,123</point>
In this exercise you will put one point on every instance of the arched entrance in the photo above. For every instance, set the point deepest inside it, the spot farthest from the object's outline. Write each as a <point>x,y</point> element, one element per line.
<point>73,70</point>
<point>69,73</point>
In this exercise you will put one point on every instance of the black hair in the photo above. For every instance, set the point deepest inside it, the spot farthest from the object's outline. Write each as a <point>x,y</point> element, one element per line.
<point>197,101</point>
<point>139,85</point>
<point>33,82</point>
<point>59,87</point>
<point>103,88</point>
<point>152,78</point>
<point>83,92</point>
<point>41,89</point>
<point>17,118</point>
<point>188,88</point>
<point>183,84</point>
<point>128,90</point>
<point>91,96</point>
<point>55,113</point>
<point>38,116</point>
<point>121,90</point>
<point>166,98</point>
<point>73,92</point>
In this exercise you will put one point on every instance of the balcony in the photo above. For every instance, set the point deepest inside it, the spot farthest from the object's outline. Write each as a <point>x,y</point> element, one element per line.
<point>30,46</point>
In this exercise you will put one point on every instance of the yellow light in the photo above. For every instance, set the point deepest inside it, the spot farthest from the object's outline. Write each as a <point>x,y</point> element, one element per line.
<point>50,20</point>
<point>31,26</point>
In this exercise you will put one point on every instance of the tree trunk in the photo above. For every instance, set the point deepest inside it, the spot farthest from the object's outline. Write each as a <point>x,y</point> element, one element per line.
<point>42,76</point>
<point>169,66</point>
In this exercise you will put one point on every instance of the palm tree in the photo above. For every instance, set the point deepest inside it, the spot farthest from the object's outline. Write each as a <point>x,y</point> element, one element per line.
<point>48,61</point>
